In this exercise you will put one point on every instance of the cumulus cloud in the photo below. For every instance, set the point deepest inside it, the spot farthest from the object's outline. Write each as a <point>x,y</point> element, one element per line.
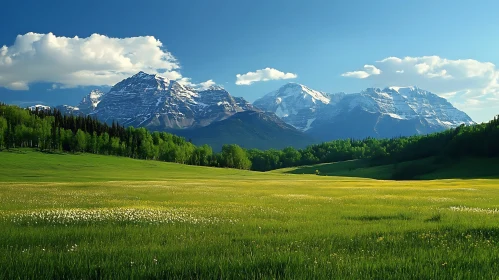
<point>97,60</point>
<point>197,86</point>
<point>368,71</point>
<point>466,82</point>
<point>433,72</point>
<point>262,75</point>
<point>206,85</point>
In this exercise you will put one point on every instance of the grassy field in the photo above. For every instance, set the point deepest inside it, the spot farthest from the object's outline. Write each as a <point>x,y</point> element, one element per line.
<point>97,217</point>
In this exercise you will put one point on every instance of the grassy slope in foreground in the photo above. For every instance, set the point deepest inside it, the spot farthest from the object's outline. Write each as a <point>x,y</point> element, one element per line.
<point>32,166</point>
<point>466,168</point>
<point>205,223</point>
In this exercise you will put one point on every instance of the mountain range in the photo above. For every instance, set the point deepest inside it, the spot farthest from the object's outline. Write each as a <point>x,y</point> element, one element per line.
<point>293,115</point>
<point>374,112</point>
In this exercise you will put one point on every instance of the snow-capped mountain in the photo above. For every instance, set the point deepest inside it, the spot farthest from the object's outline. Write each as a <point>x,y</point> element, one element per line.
<point>389,112</point>
<point>407,103</point>
<point>69,110</point>
<point>157,102</point>
<point>292,98</point>
<point>296,104</point>
<point>90,101</point>
<point>86,106</point>
<point>210,116</point>
<point>39,107</point>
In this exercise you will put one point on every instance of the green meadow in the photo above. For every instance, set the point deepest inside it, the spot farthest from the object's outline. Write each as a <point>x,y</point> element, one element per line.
<point>102,217</point>
<point>463,168</point>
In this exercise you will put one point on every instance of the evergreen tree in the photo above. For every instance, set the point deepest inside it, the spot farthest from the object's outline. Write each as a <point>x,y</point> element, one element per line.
<point>3,129</point>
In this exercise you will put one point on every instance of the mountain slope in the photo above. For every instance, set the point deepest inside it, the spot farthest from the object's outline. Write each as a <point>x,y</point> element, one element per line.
<point>86,106</point>
<point>359,124</point>
<point>159,103</point>
<point>374,112</point>
<point>211,116</point>
<point>296,104</point>
<point>249,129</point>
<point>90,102</point>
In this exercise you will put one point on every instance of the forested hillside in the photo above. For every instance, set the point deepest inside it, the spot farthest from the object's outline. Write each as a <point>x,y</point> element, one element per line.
<point>49,130</point>
<point>53,131</point>
<point>481,140</point>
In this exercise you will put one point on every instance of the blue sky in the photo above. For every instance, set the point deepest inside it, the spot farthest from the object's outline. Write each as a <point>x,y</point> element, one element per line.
<point>448,47</point>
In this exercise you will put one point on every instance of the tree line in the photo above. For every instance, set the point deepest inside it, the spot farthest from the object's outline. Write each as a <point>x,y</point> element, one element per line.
<point>50,130</point>
<point>480,140</point>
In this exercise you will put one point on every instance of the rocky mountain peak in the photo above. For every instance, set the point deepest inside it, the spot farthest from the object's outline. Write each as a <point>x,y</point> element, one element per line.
<point>410,104</point>
<point>213,87</point>
<point>91,100</point>
<point>155,101</point>
<point>296,104</point>
<point>295,90</point>
<point>143,83</point>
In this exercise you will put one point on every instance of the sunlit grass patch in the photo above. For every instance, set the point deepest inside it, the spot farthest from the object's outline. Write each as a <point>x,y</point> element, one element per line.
<point>490,211</point>
<point>303,197</point>
<point>68,217</point>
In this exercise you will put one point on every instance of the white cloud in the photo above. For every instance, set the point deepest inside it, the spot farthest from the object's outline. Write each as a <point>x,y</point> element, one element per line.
<point>356,74</point>
<point>262,75</point>
<point>467,83</point>
<point>97,60</point>
<point>173,75</point>
<point>199,86</point>
<point>18,85</point>
<point>206,85</point>
<point>368,71</point>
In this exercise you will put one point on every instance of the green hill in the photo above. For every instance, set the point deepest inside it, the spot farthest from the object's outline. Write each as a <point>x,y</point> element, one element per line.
<point>33,166</point>
<point>426,169</point>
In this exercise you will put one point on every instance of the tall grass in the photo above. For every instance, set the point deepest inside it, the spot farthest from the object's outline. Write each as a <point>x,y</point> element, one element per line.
<point>244,225</point>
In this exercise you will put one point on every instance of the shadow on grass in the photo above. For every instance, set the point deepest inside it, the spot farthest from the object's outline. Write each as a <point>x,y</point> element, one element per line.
<point>369,218</point>
<point>435,219</point>
<point>56,153</point>
<point>423,169</point>
<point>24,151</point>
<point>14,151</point>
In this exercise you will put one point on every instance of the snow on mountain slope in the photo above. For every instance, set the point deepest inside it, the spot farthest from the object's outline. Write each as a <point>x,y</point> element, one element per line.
<point>159,103</point>
<point>91,100</point>
<point>87,105</point>
<point>290,99</point>
<point>296,104</point>
<point>433,108</point>
<point>215,104</point>
<point>69,110</point>
<point>310,110</point>
<point>411,103</point>
<point>39,107</point>
<point>155,101</point>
